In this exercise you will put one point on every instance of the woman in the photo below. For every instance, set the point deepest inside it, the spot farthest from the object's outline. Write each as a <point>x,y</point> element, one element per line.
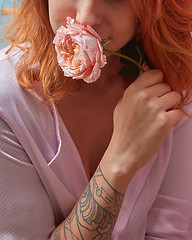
<point>106,160</point>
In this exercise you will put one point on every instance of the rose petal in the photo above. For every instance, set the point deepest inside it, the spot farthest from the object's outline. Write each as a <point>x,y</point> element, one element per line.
<point>79,52</point>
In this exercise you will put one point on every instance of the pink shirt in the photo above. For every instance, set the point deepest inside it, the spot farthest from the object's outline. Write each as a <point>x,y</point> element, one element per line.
<point>42,176</point>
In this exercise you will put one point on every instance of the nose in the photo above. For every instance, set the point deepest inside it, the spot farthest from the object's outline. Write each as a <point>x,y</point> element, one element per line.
<point>89,12</point>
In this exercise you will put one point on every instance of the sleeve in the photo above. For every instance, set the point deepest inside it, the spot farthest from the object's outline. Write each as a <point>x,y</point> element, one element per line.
<point>25,209</point>
<point>171,214</point>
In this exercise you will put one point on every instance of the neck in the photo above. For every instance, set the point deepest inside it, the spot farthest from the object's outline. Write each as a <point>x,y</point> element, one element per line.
<point>108,74</point>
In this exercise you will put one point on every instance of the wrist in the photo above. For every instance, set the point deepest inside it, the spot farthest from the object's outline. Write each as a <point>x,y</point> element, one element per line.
<point>117,170</point>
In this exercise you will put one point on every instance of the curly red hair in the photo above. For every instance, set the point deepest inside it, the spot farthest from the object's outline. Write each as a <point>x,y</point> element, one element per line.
<point>164,31</point>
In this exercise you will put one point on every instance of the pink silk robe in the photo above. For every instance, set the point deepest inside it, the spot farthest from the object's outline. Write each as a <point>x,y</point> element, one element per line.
<point>42,176</point>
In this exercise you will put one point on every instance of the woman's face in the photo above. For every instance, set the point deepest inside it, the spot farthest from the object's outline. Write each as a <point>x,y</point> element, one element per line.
<point>111,19</point>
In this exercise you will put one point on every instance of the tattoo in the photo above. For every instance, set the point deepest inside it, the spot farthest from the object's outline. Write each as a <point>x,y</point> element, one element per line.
<point>95,214</point>
<point>57,234</point>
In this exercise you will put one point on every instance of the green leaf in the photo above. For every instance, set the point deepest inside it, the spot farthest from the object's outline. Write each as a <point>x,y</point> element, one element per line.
<point>134,50</point>
<point>129,71</point>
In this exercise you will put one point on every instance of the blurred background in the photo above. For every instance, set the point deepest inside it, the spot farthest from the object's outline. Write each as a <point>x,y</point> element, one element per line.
<point>4,19</point>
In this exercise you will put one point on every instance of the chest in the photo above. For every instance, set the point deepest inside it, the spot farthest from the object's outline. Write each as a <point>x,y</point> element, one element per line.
<point>91,131</point>
<point>90,124</point>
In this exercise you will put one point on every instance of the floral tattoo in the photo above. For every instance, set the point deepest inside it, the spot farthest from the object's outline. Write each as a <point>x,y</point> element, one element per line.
<point>95,214</point>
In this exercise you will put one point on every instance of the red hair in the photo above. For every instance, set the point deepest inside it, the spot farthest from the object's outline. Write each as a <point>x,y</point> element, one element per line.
<point>164,31</point>
<point>31,25</point>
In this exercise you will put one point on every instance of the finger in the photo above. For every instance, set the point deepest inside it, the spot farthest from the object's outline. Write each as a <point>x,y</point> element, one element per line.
<point>148,79</point>
<point>145,68</point>
<point>158,90</point>
<point>174,117</point>
<point>169,100</point>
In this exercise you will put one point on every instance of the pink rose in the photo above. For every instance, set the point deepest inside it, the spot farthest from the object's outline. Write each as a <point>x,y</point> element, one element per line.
<point>79,52</point>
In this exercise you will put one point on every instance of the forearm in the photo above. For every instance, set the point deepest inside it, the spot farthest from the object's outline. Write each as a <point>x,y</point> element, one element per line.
<point>95,214</point>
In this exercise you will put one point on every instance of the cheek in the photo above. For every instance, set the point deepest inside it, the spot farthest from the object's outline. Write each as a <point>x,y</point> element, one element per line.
<point>129,28</point>
<point>130,21</point>
<point>125,25</point>
<point>58,13</point>
<point>123,34</point>
<point>52,16</point>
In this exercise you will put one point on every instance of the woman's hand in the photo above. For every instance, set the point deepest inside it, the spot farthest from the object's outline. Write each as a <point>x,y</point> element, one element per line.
<point>142,120</point>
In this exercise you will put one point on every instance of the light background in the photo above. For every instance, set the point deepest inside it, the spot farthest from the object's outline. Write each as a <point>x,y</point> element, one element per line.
<point>4,19</point>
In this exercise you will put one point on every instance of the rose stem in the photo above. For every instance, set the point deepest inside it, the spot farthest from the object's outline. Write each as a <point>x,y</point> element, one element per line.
<point>124,56</point>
